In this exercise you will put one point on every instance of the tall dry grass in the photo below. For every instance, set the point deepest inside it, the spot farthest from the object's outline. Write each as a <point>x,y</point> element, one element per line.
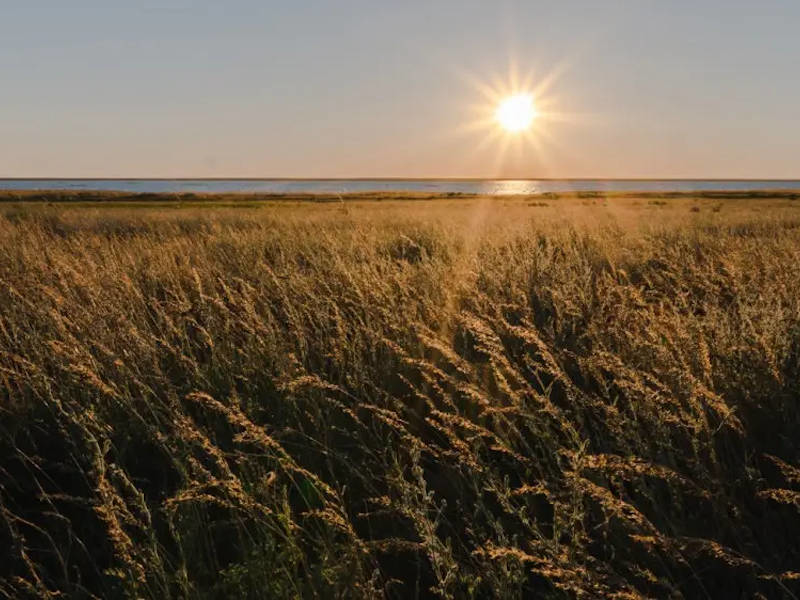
<point>455,399</point>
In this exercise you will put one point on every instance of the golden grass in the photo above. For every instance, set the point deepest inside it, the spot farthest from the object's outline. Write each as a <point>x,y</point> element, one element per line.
<point>468,397</point>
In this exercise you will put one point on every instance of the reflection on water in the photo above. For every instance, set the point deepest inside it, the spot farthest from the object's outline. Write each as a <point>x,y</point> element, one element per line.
<point>462,186</point>
<point>514,186</point>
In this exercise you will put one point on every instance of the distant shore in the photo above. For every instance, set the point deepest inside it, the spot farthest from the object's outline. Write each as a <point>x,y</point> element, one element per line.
<point>86,196</point>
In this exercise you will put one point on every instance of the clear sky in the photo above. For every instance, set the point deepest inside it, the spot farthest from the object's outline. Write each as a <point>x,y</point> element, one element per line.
<point>341,88</point>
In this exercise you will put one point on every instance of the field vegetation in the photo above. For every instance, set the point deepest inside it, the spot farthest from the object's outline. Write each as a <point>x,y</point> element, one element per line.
<point>581,397</point>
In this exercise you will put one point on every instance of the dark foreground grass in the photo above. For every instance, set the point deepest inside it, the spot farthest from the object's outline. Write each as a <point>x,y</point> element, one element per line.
<point>558,399</point>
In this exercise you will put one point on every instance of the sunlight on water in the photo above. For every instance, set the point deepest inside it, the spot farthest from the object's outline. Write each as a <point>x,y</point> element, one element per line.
<point>515,187</point>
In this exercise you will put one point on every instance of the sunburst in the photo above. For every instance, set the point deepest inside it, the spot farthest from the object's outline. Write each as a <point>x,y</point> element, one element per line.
<point>514,115</point>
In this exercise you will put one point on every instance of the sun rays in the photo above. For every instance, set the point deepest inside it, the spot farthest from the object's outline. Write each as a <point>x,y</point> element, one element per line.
<point>513,116</point>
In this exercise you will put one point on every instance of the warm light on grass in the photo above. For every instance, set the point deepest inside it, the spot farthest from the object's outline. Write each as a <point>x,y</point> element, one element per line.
<point>540,396</point>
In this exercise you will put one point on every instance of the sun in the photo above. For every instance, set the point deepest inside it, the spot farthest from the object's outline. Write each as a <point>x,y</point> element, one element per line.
<point>514,116</point>
<point>516,113</point>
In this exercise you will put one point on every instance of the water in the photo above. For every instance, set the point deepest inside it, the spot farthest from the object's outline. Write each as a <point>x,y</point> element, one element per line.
<point>468,186</point>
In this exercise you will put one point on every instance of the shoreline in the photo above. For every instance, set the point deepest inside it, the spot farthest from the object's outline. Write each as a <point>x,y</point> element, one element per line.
<point>113,197</point>
<point>734,179</point>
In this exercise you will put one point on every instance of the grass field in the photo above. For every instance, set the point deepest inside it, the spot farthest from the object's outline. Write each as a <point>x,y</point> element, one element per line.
<point>578,397</point>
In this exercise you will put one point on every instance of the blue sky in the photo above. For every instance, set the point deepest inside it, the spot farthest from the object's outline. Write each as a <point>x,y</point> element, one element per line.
<point>640,88</point>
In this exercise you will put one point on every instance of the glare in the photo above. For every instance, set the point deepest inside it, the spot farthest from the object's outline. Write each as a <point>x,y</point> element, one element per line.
<point>516,113</point>
<point>512,119</point>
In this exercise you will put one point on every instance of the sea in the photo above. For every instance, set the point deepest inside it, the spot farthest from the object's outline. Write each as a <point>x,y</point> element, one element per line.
<point>433,186</point>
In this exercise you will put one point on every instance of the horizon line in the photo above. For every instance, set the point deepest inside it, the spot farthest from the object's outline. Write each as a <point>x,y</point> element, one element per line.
<point>50,178</point>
